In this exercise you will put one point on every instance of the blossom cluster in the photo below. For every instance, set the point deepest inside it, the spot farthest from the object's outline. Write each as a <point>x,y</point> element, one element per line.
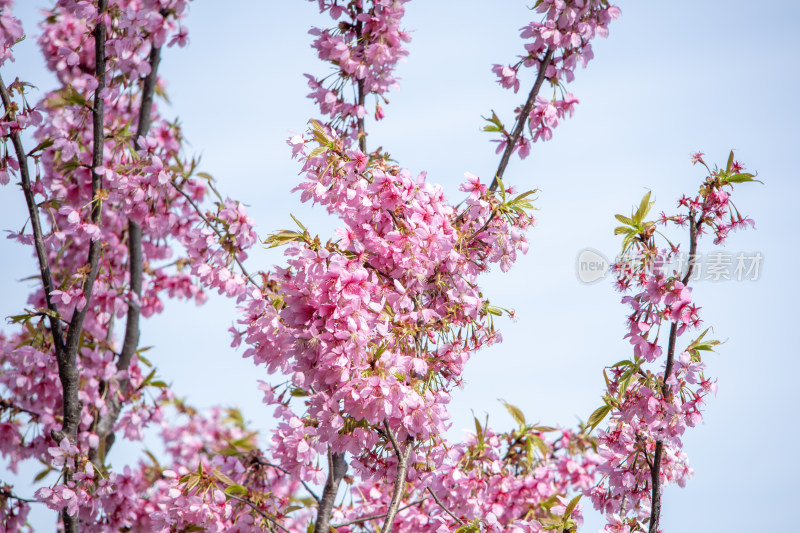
<point>650,411</point>
<point>364,49</point>
<point>522,480</point>
<point>555,47</point>
<point>375,327</point>
<point>149,187</point>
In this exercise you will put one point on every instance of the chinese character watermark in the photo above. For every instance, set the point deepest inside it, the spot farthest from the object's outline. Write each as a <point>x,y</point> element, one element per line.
<point>592,266</point>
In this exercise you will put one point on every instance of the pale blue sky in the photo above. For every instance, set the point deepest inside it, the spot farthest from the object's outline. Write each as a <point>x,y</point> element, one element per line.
<point>671,79</point>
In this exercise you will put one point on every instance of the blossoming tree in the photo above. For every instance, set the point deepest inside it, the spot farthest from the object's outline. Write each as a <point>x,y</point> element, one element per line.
<point>361,339</point>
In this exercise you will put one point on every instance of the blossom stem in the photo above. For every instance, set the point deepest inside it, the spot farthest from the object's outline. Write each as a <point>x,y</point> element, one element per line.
<point>655,466</point>
<point>522,119</point>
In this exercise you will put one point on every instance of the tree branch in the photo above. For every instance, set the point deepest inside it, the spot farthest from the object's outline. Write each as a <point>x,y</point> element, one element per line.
<point>655,466</point>
<point>446,510</point>
<point>362,134</point>
<point>376,516</point>
<point>36,224</point>
<point>400,480</point>
<point>522,119</point>
<point>254,507</point>
<point>105,424</point>
<point>337,468</point>
<point>262,462</point>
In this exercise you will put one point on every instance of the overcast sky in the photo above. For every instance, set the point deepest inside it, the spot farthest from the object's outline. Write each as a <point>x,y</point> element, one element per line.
<point>671,79</point>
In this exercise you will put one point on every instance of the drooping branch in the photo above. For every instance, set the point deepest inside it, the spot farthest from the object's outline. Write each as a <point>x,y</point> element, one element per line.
<point>130,344</point>
<point>522,119</point>
<point>337,468</point>
<point>655,466</point>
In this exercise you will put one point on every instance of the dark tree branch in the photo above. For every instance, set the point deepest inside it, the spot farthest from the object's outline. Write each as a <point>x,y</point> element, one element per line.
<point>446,510</point>
<point>36,224</point>
<point>67,364</point>
<point>262,462</point>
<point>337,468</point>
<point>522,119</point>
<point>214,229</point>
<point>376,516</point>
<point>402,455</point>
<point>105,425</point>
<point>362,134</point>
<point>655,466</point>
<point>254,507</point>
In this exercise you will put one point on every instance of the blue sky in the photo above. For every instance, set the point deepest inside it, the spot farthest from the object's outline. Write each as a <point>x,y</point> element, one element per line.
<point>671,79</point>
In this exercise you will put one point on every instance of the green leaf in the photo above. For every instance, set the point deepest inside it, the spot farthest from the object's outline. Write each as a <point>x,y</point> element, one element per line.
<point>644,208</point>
<point>543,448</point>
<point>495,124</point>
<point>192,527</point>
<point>599,414</point>
<point>472,527</point>
<point>623,230</point>
<point>319,150</point>
<point>47,143</point>
<point>236,490</point>
<point>572,504</point>
<point>515,413</point>
<point>730,163</point>
<point>282,237</point>
<point>624,383</point>
<point>43,474</point>
<point>624,219</point>
<point>741,178</point>
<point>299,224</point>
<point>478,430</point>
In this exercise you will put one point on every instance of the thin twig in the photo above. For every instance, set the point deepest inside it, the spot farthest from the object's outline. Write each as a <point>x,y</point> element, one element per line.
<point>522,119</point>
<point>6,404</point>
<point>259,511</point>
<point>362,134</point>
<point>446,510</point>
<point>262,462</point>
<point>376,516</point>
<point>214,229</point>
